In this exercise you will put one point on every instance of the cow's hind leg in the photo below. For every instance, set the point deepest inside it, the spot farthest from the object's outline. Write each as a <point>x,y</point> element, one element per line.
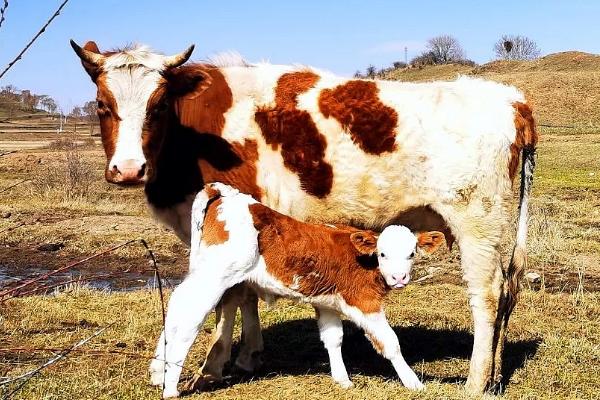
<point>479,236</point>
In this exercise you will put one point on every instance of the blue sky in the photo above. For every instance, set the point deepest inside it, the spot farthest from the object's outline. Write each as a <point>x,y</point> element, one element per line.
<point>341,36</point>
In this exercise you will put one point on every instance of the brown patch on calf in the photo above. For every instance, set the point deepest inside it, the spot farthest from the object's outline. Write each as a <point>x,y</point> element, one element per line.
<point>377,345</point>
<point>213,230</point>
<point>294,131</point>
<point>318,260</point>
<point>526,136</point>
<point>357,108</point>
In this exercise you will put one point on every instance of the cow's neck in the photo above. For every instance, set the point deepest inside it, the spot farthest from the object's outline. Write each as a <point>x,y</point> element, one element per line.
<point>194,151</point>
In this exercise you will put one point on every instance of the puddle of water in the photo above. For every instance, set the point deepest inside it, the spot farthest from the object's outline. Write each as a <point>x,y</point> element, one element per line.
<point>121,282</point>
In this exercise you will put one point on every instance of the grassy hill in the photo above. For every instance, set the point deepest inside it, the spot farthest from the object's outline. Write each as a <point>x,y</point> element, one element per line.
<point>563,87</point>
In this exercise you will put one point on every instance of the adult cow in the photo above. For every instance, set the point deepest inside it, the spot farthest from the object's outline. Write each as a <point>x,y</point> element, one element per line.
<point>327,149</point>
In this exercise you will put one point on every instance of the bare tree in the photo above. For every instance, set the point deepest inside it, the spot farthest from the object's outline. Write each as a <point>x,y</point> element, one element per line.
<point>516,47</point>
<point>89,112</point>
<point>445,49</point>
<point>370,71</point>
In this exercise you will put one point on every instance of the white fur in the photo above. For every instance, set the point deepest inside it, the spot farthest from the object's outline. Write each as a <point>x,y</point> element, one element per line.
<point>216,268</point>
<point>132,76</point>
<point>453,145</point>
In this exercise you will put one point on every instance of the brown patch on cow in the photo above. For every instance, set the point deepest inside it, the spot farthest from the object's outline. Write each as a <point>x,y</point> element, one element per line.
<point>213,230</point>
<point>486,203</point>
<point>465,194</point>
<point>526,136</point>
<point>203,108</point>
<point>241,175</point>
<point>294,131</point>
<point>357,107</point>
<point>377,345</point>
<point>318,260</point>
<point>108,115</point>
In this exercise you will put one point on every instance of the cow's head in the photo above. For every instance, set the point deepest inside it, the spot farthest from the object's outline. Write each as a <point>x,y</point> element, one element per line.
<point>133,97</point>
<point>395,248</point>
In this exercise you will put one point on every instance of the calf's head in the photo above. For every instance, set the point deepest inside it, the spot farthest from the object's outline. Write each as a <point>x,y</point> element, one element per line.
<point>395,249</point>
<point>134,86</point>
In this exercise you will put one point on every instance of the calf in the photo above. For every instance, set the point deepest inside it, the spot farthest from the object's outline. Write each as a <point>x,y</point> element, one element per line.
<point>338,269</point>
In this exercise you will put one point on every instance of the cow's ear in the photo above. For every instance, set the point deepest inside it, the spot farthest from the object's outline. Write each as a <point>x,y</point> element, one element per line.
<point>430,241</point>
<point>188,82</point>
<point>365,242</point>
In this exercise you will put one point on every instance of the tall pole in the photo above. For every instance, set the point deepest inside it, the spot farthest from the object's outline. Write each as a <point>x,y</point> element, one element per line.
<point>405,54</point>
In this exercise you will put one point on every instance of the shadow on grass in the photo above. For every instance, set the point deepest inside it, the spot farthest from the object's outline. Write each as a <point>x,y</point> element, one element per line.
<point>294,348</point>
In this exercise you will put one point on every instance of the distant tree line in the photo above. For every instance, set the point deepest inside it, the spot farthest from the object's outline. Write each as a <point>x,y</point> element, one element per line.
<point>446,49</point>
<point>13,99</point>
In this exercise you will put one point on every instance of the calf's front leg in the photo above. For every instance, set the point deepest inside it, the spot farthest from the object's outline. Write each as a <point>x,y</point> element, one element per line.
<point>385,341</point>
<point>332,333</point>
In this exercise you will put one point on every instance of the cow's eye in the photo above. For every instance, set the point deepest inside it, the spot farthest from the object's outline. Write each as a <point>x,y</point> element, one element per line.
<point>159,109</point>
<point>412,255</point>
<point>382,255</point>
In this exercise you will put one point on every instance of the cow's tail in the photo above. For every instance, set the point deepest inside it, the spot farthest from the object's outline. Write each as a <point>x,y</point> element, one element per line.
<point>526,142</point>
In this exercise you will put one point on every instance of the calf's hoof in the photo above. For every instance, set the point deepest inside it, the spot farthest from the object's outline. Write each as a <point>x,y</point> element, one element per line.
<point>412,382</point>
<point>170,394</point>
<point>346,384</point>
<point>157,375</point>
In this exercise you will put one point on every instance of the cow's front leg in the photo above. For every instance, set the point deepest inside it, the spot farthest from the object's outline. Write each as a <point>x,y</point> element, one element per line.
<point>250,357</point>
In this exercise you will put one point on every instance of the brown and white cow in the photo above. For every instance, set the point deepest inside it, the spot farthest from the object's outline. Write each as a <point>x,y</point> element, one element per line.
<point>339,270</point>
<point>322,148</point>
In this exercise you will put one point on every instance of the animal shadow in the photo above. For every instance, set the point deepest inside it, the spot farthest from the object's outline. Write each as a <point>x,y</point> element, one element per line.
<point>294,348</point>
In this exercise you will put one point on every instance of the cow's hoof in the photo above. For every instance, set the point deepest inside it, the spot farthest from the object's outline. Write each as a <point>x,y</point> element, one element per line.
<point>249,363</point>
<point>199,383</point>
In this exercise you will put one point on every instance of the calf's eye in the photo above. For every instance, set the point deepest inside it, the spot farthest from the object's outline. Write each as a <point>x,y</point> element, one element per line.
<point>412,255</point>
<point>383,255</point>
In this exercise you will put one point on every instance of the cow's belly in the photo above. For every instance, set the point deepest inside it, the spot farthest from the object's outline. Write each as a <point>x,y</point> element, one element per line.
<point>369,191</point>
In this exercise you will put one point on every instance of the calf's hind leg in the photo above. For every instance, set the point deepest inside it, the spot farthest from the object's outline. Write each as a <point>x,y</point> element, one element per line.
<point>190,304</point>
<point>219,351</point>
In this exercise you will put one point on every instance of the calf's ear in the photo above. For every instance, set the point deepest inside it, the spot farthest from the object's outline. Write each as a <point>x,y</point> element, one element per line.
<point>430,241</point>
<point>365,242</point>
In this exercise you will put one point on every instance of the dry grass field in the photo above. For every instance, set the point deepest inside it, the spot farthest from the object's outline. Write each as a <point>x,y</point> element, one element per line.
<point>61,198</point>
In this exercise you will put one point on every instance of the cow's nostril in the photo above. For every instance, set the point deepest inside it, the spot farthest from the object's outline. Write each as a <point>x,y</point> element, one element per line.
<point>115,170</point>
<point>142,171</point>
